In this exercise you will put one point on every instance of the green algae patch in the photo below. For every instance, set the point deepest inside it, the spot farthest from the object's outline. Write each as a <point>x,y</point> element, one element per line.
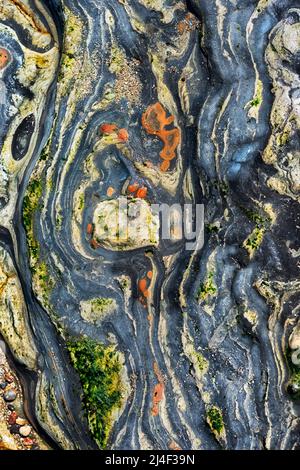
<point>214,419</point>
<point>207,289</point>
<point>99,370</point>
<point>30,205</point>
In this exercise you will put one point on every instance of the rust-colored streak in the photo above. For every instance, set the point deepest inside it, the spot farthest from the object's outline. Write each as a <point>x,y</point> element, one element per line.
<point>89,229</point>
<point>158,392</point>
<point>29,16</point>
<point>158,395</point>
<point>154,121</point>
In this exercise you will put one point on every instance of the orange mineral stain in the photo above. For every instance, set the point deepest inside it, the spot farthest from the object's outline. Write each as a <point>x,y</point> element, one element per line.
<point>154,121</point>
<point>4,58</point>
<point>149,274</point>
<point>110,191</point>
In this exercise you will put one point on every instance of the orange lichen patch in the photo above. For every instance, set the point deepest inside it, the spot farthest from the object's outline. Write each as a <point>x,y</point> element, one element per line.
<point>142,192</point>
<point>89,229</point>
<point>4,58</point>
<point>157,372</point>
<point>158,395</point>
<point>149,274</point>
<point>171,139</point>
<point>174,446</point>
<point>142,285</point>
<point>94,244</point>
<point>132,188</point>
<point>154,121</point>
<point>108,128</point>
<point>123,135</point>
<point>165,165</point>
<point>188,24</point>
<point>146,293</point>
<point>110,191</point>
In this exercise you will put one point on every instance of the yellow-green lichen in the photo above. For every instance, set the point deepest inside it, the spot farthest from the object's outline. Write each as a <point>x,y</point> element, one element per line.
<point>254,240</point>
<point>208,288</point>
<point>214,419</point>
<point>201,362</point>
<point>42,281</point>
<point>30,205</point>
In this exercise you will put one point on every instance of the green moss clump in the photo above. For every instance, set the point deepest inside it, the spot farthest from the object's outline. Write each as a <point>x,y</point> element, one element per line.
<point>215,419</point>
<point>99,371</point>
<point>207,288</point>
<point>81,202</point>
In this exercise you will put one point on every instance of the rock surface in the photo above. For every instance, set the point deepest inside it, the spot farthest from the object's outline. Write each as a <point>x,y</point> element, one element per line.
<point>165,102</point>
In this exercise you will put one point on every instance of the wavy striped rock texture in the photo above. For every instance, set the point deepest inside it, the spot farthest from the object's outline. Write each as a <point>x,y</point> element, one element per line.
<point>150,102</point>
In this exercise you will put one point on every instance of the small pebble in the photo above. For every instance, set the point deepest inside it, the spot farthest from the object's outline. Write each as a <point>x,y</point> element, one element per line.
<point>3,385</point>
<point>10,395</point>
<point>21,421</point>
<point>11,407</point>
<point>12,418</point>
<point>25,430</point>
<point>14,429</point>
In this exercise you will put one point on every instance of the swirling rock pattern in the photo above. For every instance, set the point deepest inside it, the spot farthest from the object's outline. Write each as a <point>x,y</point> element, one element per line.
<point>159,101</point>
